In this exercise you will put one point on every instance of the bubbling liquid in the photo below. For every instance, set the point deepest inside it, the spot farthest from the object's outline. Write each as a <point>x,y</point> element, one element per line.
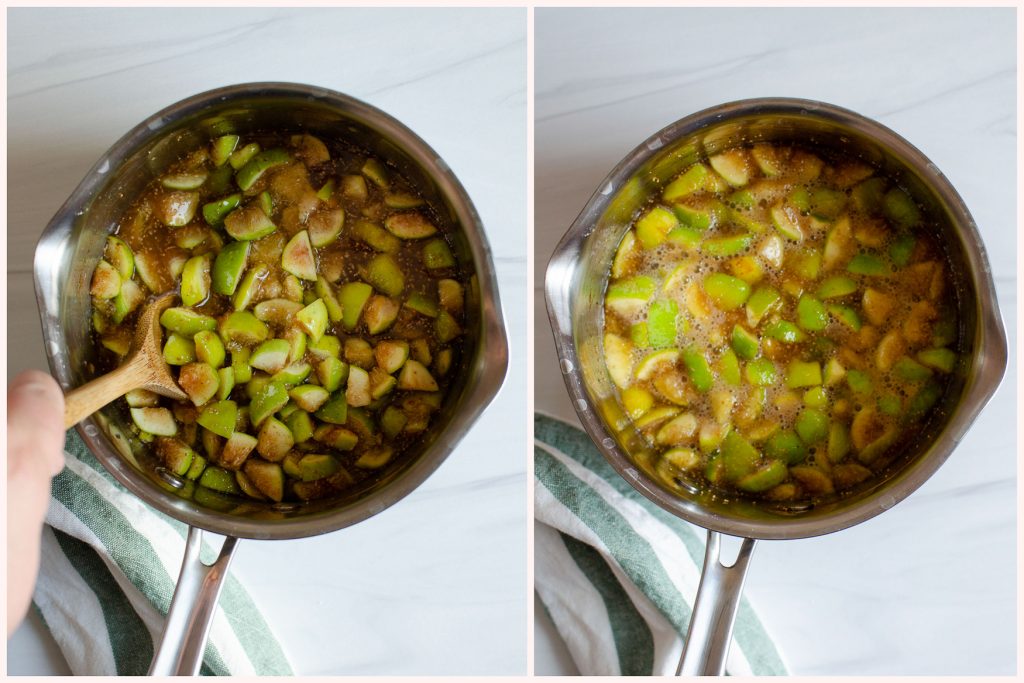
<point>779,324</point>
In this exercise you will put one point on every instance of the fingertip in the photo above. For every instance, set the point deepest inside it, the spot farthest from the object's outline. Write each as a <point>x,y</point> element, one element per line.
<point>35,408</point>
<point>38,383</point>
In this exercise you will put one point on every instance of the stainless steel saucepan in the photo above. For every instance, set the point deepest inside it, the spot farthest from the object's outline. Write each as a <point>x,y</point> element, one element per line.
<point>73,242</point>
<point>577,276</point>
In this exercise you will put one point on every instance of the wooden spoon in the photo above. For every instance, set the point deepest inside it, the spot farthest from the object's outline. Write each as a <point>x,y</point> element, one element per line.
<point>145,368</point>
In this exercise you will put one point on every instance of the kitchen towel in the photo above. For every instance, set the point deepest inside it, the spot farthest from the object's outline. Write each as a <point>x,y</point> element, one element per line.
<point>108,570</point>
<point>615,572</point>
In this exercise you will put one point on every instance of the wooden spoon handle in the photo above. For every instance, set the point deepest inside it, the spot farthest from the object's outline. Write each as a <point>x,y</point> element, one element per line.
<point>85,400</point>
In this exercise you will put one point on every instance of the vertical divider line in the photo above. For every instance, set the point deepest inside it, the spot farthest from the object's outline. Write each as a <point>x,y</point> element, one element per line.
<point>531,266</point>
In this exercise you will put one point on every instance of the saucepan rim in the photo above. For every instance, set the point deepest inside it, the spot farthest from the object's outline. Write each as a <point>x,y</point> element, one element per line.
<point>989,356</point>
<point>485,373</point>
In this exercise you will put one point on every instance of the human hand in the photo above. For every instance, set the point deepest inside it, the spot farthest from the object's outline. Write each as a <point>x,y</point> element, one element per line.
<point>35,454</point>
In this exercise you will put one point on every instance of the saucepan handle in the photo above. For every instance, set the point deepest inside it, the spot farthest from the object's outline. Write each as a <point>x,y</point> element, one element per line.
<point>714,610</point>
<point>180,652</point>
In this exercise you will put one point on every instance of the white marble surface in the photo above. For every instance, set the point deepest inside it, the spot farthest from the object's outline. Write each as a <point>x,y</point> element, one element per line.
<point>930,586</point>
<point>436,584</point>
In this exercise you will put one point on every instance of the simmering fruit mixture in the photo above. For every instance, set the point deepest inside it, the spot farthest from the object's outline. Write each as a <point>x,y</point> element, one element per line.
<point>319,320</point>
<point>778,323</point>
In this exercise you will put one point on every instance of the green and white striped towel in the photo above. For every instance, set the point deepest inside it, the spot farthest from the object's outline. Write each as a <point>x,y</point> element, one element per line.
<point>615,572</point>
<point>108,569</point>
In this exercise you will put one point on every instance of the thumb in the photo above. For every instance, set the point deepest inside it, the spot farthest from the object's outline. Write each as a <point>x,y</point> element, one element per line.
<point>35,436</point>
<point>35,423</point>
